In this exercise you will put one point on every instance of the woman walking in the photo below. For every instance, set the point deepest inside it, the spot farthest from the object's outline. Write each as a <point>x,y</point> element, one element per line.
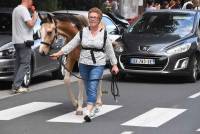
<point>94,48</point>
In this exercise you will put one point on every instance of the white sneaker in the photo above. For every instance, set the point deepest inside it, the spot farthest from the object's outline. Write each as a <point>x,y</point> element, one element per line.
<point>22,90</point>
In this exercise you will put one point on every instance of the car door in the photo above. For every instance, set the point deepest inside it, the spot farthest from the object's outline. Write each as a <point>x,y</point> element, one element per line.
<point>111,27</point>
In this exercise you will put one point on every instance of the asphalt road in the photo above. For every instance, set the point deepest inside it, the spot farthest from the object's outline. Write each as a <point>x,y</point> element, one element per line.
<point>147,105</point>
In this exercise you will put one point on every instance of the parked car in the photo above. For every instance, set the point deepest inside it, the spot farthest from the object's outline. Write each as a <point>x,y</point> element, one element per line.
<point>121,22</point>
<point>162,42</point>
<point>39,64</point>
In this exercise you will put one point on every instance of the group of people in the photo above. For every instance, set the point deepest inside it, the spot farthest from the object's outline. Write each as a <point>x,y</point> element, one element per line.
<point>171,4</point>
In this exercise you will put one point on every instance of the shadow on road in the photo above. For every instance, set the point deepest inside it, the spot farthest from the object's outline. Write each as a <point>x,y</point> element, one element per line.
<point>159,79</point>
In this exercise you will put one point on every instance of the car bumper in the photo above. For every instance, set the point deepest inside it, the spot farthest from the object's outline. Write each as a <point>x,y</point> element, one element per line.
<point>7,69</point>
<point>169,65</point>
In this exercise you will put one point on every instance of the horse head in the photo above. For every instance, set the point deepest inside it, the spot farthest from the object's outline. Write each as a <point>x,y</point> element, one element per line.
<point>48,32</point>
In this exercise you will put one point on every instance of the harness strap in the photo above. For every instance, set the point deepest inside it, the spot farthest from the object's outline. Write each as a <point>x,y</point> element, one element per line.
<point>92,50</point>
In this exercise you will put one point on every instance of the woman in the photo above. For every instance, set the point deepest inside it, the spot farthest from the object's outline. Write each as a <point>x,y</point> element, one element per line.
<point>91,66</point>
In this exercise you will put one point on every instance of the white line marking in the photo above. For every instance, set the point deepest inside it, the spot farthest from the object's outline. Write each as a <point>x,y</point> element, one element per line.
<point>194,96</point>
<point>18,111</point>
<point>128,132</point>
<point>72,118</point>
<point>198,130</point>
<point>6,93</point>
<point>155,117</point>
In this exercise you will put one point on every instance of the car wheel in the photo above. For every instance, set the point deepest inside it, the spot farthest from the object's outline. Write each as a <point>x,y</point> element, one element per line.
<point>194,70</point>
<point>27,77</point>
<point>60,73</point>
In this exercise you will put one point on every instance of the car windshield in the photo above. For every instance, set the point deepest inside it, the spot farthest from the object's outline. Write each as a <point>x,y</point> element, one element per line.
<point>5,23</point>
<point>180,23</point>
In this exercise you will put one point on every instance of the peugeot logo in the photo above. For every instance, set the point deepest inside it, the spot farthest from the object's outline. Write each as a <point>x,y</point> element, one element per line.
<point>144,48</point>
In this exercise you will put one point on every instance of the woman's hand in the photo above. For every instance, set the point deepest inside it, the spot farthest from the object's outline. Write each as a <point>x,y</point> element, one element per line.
<point>55,56</point>
<point>115,69</point>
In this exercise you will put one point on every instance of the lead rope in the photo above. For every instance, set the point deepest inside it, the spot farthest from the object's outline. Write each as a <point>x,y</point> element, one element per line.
<point>114,80</point>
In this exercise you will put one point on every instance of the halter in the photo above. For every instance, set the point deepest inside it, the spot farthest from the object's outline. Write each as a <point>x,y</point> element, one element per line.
<point>55,37</point>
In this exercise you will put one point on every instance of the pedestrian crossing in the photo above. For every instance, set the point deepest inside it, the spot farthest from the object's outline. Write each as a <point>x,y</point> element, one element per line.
<point>73,118</point>
<point>153,118</point>
<point>19,111</point>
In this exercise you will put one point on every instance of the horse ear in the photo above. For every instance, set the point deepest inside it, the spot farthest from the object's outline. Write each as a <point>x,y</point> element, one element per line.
<point>49,17</point>
<point>41,16</point>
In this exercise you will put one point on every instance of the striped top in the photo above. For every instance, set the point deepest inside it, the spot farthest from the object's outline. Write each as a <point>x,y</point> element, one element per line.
<point>89,41</point>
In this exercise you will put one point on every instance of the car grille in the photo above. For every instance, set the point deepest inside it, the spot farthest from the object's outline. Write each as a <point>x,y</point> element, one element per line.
<point>160,62</point>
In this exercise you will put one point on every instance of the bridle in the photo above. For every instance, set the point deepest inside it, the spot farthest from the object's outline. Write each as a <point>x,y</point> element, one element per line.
<point>54,38</point>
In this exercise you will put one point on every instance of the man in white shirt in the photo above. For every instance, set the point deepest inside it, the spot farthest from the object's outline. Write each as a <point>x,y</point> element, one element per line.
<point>22,33</point>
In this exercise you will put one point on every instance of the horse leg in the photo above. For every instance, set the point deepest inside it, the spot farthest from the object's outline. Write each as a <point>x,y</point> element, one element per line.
<point>100,94</point>
<point>79,110</point>
<point>67,80</point>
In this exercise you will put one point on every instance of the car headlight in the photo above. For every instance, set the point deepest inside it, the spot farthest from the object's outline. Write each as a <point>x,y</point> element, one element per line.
<point>8,53</point>
<point>179,49</point>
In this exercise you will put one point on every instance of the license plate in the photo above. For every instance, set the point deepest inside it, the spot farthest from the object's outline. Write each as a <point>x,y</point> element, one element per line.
<point>142,61</point>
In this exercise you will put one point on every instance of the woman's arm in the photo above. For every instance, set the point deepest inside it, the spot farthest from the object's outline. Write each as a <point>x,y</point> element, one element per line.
<point>110,52</point>
<point>72,44</point>
<point>68,47</point>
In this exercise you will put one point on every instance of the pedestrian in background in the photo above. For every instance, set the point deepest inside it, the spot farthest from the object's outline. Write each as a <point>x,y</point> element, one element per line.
<point>195,4</point>
<point>22,37</point>
<point>165,5</point>
<point>94,49</point>
<point>150,6</point>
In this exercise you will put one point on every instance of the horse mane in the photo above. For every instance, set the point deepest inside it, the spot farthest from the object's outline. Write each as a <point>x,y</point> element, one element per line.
<point>79,20</point>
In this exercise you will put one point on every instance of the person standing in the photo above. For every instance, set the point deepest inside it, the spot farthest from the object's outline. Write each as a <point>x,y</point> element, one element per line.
<point>150,6</point>
<point>22,37</point>
<point>94,49</point>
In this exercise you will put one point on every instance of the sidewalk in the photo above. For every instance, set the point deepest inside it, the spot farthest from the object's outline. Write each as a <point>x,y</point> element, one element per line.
<point>7,93</point>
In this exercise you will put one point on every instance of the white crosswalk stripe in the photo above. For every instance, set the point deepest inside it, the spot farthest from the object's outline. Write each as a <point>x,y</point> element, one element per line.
<point>72,118</point>
<point>128,132</point>
<point>22,110</point>
<point>198,130</point>
<point>194,96</point>
<point>155,117</point>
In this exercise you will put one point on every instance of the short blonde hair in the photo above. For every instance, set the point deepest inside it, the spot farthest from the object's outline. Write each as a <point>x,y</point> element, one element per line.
<point>96,10</point>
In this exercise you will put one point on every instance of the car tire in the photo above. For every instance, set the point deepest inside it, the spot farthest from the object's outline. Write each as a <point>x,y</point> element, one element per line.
<point>27,77</point>
<point>60,73</point>
<point>194,70</point>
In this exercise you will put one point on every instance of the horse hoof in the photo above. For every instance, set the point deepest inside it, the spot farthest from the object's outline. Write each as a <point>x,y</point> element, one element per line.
<point>79,112</point>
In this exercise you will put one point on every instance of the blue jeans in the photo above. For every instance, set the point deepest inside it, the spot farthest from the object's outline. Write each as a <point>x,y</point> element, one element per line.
<point>90,74</point>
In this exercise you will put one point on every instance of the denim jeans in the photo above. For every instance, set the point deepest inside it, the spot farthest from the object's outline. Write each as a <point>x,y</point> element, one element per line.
<point>90,74</point>
<point>23,61</point>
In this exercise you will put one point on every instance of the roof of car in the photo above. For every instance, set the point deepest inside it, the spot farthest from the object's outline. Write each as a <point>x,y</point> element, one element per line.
<point>173,11</point>
<point>84,13</point>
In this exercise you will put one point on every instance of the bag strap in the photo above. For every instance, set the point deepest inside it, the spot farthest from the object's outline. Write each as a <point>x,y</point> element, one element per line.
<point>81,35</point>
<point>104,39</point>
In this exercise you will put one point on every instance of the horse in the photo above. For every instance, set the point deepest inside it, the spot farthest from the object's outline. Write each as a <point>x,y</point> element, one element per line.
<point>67,26</point>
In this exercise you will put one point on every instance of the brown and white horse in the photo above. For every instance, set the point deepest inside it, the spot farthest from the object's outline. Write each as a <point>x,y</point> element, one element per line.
<point>66,26</point>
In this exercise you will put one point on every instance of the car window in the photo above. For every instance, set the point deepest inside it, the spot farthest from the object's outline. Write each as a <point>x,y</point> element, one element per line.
<point>180,24</point>
<point>5,23</point>
<point>110,26</point>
